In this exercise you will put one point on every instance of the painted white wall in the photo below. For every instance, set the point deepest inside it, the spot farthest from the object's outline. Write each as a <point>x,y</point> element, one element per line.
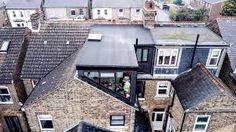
<point>18,20</point>
<point>55,12</point>
<point>102,13</point>
<point>136,16</point>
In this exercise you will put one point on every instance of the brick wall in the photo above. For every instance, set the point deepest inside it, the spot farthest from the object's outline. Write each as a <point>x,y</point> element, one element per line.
<point>215,10</point>
<point>77,101</point>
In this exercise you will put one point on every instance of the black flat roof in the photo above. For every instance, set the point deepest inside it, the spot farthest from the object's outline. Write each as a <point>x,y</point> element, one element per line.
<point>116,48</point>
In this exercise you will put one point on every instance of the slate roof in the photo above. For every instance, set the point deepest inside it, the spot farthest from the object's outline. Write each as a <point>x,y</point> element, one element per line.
<point>63,3</point>
<point>23,4</point>
<point>8,60</point>
<point>116,49</point>
<point>227,27</point>
<point>118,3</point>
<point>87,127</point>
<point>185,36</point>
<point>42,58</point>
<point>197,85</point>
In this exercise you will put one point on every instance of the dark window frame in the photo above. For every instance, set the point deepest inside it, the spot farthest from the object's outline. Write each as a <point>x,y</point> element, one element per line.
<point>141,88</point>
<point>12,125</point>
<point>142,50</point>
<point>72,12</point>
<point>117,120</point>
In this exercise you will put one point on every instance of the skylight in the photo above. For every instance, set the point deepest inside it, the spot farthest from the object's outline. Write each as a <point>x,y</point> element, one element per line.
<point>94,37</point>
<point>5,45</point>
<point>45,42</point>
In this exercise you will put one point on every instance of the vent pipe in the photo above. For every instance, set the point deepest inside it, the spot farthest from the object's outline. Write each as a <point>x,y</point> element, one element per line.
<point>194,50</point>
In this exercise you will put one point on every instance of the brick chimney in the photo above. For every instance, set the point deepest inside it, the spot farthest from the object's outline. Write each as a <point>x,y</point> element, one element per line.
<point>149,14</point>
<point>35,20</point>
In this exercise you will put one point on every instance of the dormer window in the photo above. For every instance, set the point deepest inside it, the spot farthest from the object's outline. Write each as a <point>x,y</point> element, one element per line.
<point>5,45</point>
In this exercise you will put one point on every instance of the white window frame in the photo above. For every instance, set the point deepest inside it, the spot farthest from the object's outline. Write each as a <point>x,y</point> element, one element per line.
<point>210,56</point>
<point>71,12</point>
<point>201,123</point>
<point>167,89</point>
<point>98,12</point>
<point>121,13</point>
<point>123,116</point>
<point>105,12</point>
<point>158,124</point>
<point>13,13</point>
<point>45,117</point>
<point>9,94</point>
<point>164,51</point>
<point>81,11</point>
<point>21,14</point>
<point>5,46</point>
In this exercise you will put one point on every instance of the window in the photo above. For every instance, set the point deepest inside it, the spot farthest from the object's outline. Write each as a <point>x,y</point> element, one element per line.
<point>5,45</point>
<point>140,88</point>
<point>201,123</point>
<point>163,88</point>
<point>167,57</point>
<point>14,13</point>
<point>45,122</point>
<point>22,25</point>
<point>21,13</point>
<point>117,120</point>
<point>72,12</point>
<point>81,12</point>
<point>18,25</point>
<point>13,124</point>
<point>214,57</point>
<point>158,119</point>
<point>137,10</point>
<point>5,96</point>
<point>98,12</point>
<point>105,11</point>
<point>121,12</point>
<point>142,54</point>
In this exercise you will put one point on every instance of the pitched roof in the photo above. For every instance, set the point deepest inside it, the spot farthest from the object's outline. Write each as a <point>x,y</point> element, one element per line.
<point>68,3</point>
<point>227,27</point>
<point>117,3</point>
<point>114,50</point>
<point>9,59</point>
<point>197,85</point>
<point>49,47</point>
<point>186,36</point>
<point>23,4</point>
<point>87,127</point>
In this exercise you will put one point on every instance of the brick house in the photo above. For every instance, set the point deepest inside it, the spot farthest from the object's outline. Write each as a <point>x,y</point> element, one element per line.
<point>202,102</point>
<point>214,7</point>
<point>70,10</point>
<point>13,43</point>
<point>225,27</point>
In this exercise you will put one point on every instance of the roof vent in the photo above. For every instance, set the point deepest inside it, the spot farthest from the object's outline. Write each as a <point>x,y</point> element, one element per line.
<point>67,42</point>
<point>94,37</point>
<point>5,45</point>
<point>45,42</point>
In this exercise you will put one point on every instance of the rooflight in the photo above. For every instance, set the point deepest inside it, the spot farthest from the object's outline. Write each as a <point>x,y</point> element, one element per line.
<point>5,45</point>
<point>94,37</point>
<point>67,42</point>
<point>44,42</point>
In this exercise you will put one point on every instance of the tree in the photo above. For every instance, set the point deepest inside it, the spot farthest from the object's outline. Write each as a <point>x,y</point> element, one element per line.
<point>199,14</point>
<point>229,8</point>
<point>178,2</point>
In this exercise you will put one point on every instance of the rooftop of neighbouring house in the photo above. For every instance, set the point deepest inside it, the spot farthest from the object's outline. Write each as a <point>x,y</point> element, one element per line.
<point>197,85</point>
<point>227,29</point>
<point>51,45</point>
<point>118,3</point>
<point>11,41</point>
<point>186,36</point>
<point>23,4</point>
<point>116,47</point>
<point>68,3</point>
<point>87,127</point>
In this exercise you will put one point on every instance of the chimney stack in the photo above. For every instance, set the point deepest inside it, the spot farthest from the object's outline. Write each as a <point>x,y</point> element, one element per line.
<point>149,14</point>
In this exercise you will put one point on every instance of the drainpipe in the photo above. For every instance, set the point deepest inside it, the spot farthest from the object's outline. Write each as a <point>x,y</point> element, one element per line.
<point>194,50</point>
<point>182,123</point>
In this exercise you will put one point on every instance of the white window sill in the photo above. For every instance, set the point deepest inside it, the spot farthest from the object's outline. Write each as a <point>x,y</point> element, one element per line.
<point>118,127</point>
<point>5,103</point>
<point>162,96</point>
<point>141,98</point>
<point>48,130</point>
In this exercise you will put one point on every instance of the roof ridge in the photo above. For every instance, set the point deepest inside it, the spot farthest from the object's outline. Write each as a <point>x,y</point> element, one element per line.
<point>218,83</point>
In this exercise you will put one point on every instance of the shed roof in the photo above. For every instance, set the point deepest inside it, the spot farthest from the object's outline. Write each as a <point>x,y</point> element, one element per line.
<point>49,47</point>
<point>116,49</point>
<point>118,3</point>
<point>63,3</point>
<point>9,59</point>
<point>186,36</point>
<point>197,85</point>
<point>23,4</point>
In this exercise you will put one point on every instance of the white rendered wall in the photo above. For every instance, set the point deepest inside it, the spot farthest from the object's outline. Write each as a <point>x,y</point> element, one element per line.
<point>102,13</point>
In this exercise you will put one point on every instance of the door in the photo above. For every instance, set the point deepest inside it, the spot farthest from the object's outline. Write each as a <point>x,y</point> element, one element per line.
<point>13,124</point>
<point>157,120</point>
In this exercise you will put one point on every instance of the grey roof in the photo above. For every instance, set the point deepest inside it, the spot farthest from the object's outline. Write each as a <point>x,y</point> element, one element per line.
<point>8,61</point>
<point>117,3</point>
<point>87,127</point>
<point>214,1</point>
<point>23,4</point>
<point>67,3</point>
<point>227,27</point>
<point>42,58</point>
<point>196,86</point>
<point>116,49</point>
<point>185,36</point>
